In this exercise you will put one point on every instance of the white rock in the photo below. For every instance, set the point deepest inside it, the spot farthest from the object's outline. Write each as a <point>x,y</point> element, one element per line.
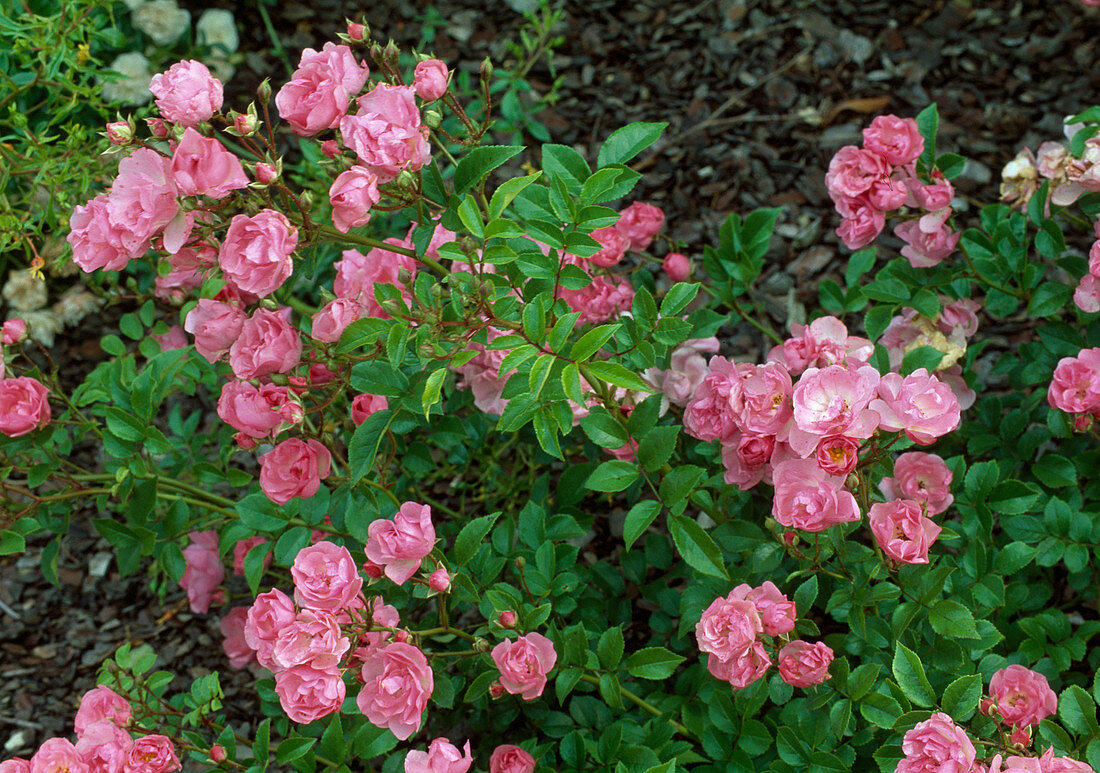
<point>217,29</point>
<point>133,87</point>
<point>162,20</point>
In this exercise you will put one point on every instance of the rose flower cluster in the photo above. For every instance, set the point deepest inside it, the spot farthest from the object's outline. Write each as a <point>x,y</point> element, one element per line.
<point>1075,387</point>
<point>24,403</point>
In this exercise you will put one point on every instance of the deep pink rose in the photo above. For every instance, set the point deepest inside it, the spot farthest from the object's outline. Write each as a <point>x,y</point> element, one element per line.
<point>729,626</point>
<point>919,404</point>
<point>294,468</point>
<point>356,275</point>
<point>902,530</point>
<point>352,195</point>
<point>233,640</point>
<point>307,694</point>
<point>808,498</point>
<point>58,755</point>
<point>639,223</point>
<point>601,300</point>
<point>823,342</point>
<point>511,759</point>
<point>897,140</point>
<point>802,664</point>
<point>269,614</point>
<point>430,80</point>
<point>837,454</point>
<point>105,747</point>
<point>401,544</point>
<point>439,580</point>
<point>14,331</point>
<point>216,326</point>
<point>397,683</point>
<point>524,664</point>
<point>362,406</point>
<point>677,266</point>
<point>267,344</point>
<point>923,478</point>
<point>314,639</point>
<point>201,166</point>
<point>330,321</point>
<point>318,93</point>
<point>745,458</point>
<point>833,401</point>
<point>1023,697</point>
<point>852,170</point>
<point>258,412</point>
<point>742,670</point>
<point>708,415</point>
<point>861,224</point>
<point>204,572</point>
<point>386,133</point>
<point>613,246</point>
<point>936,745</point>
<point>924,248</point>
<point>240,552</point>
<point>99,704</point>
<point>1075,386</point>
<point>325,577</point>
<point>255,255</point>
<point>24,406</point>
<point>777,612</point>
<point>442,757</point>
<point>187,93</point>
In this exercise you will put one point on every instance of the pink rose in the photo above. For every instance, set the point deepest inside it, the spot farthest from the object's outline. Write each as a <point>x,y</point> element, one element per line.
<point>823,342</point>
<point>677,266</point>
<point>187,93</point>
<point>959,317</point>
<point>204,572</point>
<point>15,765</point>
<point>24,406</point>
<point>833,401</point>
<point>924,248</point>
<point>352,195</point>
<point>97,242</point>
<point>386,133</point>
<point>639,223</point>
<point>919,404</point>
<point>357,274</point>
<point>401,544</point>
<point>330,322</point>
<point>742,670</point>
<point>307,694</point>
<point>258,412</point>
<point>897,140</point>
<point>745,458</point>
<point>153,753</point>
<point>397,683</point>
<point>318,93</point>
<point>777,612</point>
<point>202,166</point>
<point>729,626</point>
<point>524,664</point>
<point>887,194</point>
<point>255,255</point>
<point>58,755</point>
<point>861,224</point>
<point>439,580</point>
<point>687,369</point>
<point>269,614</point>
<point>802,664</point>
<point>808,498</point>
<point>14,331</point>
<point>1023,697</point>
<point>1087,295</point>
<point>613,246</point>
<point>362,406</point>
<point>314,639</point>
<point>760,400</point>
<point>1075,386</point>
<point>216,326</point>
<point>99,704</point>
<point>852,170</point>
<point>601,300</point>
<point>105,747</point>
<point>923,478</point>
<point>902,530</point>
<point>240,551</point>
<point>708,415</point>
<point>430,80</point>
<point>935,745</point>
<point>511,759</point>
<point>931,197</point>
<point>442,755</point>
<point>233,639</point>
<point>266,344</point>
<point>325,577</point>
<point>837,454</point>
<point>1094,253</point>
<point>294,468</point>
<point>174,339</point>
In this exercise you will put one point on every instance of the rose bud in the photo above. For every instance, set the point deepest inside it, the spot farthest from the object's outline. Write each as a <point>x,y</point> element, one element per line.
<point>330,148</point>
<point>357,31</point>
<point>496,689</point>
<point>245,124</point>
<point>439,581</point>
<point>14,331</point>
<point>217,753</point>
<point>119,133</point>
<point>158,127</point>
<point>266,173</point>
<point>507,619</point>
<point>677,266</point>
<point>372,570</point>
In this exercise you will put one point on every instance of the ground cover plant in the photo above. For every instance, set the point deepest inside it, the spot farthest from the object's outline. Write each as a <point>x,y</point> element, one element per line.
<point>444,432</point>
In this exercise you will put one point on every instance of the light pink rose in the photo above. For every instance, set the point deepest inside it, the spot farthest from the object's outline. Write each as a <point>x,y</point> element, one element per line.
<point>1023,697</point>
<point>204,572</point>
<point>255,255</point>
<point>401,544</point>
<point>1051,159</point>
<point>861,222</point>
<point>430,80</point>
<point>97,242</point>
<point>240,551</point>
<point>837,454</point>
<point>153,753</point>
<point>258,412</point>
<point>802,664</point>
<point>919,404</point>
<point>15,765</point>
<point>386,133</point>
<point>761,398</point>
<point>352,195</point>
<point>777,612</point>
<point>233,640</point>
<point>269,614</point>
<point>742,670</point>
<point>729,626</point>
<point>835,400</point>
<point>58,755</point>
<point>686,370</point>
<point>442,755</point>
<point>266,344</point>
<point>524,664</point>
<point>319,91</point>
<point>362,406</point>
<point>746,458</point>
<point>187,93</point>
<point>174,339</point>
<point>639,223</point>
<point>808,498</point>
<point>601,300</point>
<point>923,478</point>
<point>959,317</point>
<point>1075,386</point>
<point>105,747</point>
<point>325,577</point>
<point>902,530</point>
<point>507,758</point>
<point>313,639</point>
<point>613,246</point>
<point>356,275</point>
<point>24,406</point>
<point>925,248</point>
<point>307,694</point>
<point>936,745</point>
<point>897,140</point>
<point>294,468</point>
<point>397,683</point>
<point>852,170</point>
<point>931,197</point>
<point>1087,295</point>
<point>330,322</point>
<point>708,415</point>
<point>14,331</point>
<point>201,166</point>
<point>216,326</point>
<point>1048,763</point>
<point>823,342</point>
<point>99,704</point>
<point>677,266</point>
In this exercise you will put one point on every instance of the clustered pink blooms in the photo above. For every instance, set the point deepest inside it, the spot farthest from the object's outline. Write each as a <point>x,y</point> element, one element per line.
<point>1087,294</point>
<point>1075,386</point>
<point>524,663</point>
<point>24,405</point>
<point>204,571</point>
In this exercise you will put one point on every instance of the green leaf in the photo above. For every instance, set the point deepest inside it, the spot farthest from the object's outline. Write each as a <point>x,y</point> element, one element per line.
<point>951,164</point>
<point>508,190</point>
<point>567,164</point>
<point>627,142</point>
<point>1077,711</point>
<point>696,546</point>
<point>432,389</point>
<point>1048,299</point>
<point>617,375</point>
<point>1055,471</point>
<point>363,447</point>
<point>293,748</point>
<point>591,342</point>
<point>470,538</point>
<point>926,357</point>
<point>480,161</point>
<point>909,674</point>
<point>655,449</point>
<point>610,648</point>
<point>678,297</point>
<point>470,216</point>
<point>653,663</point>
<point>928,123</point>
<point>1012,497</point>
<point>1013,557</point>
<point>961,697</point>
<point>953,620</point>
<point>11,542</point>
<point>612,475</point>
<point>639,518</point>
<point>603,430</point>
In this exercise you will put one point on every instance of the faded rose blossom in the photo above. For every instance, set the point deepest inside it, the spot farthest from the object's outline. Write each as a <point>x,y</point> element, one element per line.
<point>401,544</point>
<point>1051,159</point>
<point>1075,386</point>
<point>442,757</point>
<point>99,704</point>
<point>729,626</point>
<point>187,93</point>
<point>325,577</point>
<point>837,454</point>
<point>823,342</point>
<point>294,468</point>
<point>24,406</point>
<point>430,80</point>
<point>925,247</point>
<point>314,639</point>
<point>267,344</point>
<point>258,412</point>
<point>835,400</point>
<point>507,758</point>
<point>58,755</point>
<point>397,683</point>
<point>686,370</point>
<point>923,478</point>
<point>318,93</point>
<point>708,415</point>
<point>386,133</point>
<point>777,612</point>
<point>201,166</point>
<point>919,404</point>
<point>745,458</point>
<point>602,300</point>
<point>153,753</point>
<point>255,254</point>
<point>613,246</point>
<point>269,614</point>
<point>677,266</point>
<point>204,571</point>
<point>330,322</point>
<point>802,664</point>
<point>861,222</point>
<point>1023,697</point>
<point>742,670</point>
<point>233,640</point>
<point>216,326</point>
<point>852,171</point>
<point>639,223</point>
<point>808,498</point>
<point>105,747</point>
<point>897,140</point>
<point>357,274</point>
<point>524,664</point>
<point>1020,180</point>
<point>1087,295</point>
<point>902,530</point>
<point>307,694</point>
<point>959,316</point>
<point>362,406</point>
<point>352,195</point>
<point>935,745</point>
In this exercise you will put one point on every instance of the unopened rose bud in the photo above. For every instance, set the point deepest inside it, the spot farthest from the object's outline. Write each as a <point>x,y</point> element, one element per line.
<point>403,275</point>
<point>157,127</point>
<point>119,133</point>
<point>677,266</point>
<point>1081,422</point>
<point>401,636</point>
<point>507,619</point>
<point>486,69</point>
<point>520,562</point>
<point>263,91</point>
<point>245,124</point>
<point>13,332</point>
<point>390,306</point>
<point>269,304</point>
<point>405,179</point>
<point>376,53</point>
<point>433,119</point>
<point>217,753</point>
<point>481,645</point>
<point>496,690</point>
<point>1021,737</point>
<point>373,570</point>
<point>244,442</point>
<point>330,148</point>
<point>440,581</point>
<point>266,173</point>
<point>986,707</point>
<point>790,537</point>
<point>357,31</point>
<point>392,52</point>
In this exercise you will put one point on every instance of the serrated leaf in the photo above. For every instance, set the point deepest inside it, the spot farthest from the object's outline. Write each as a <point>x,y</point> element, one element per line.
<point>653,663</point>
<point>625,143</point>
<point>696,546</point>
<point>480,161</point>
<point>961,697</point>
<point>951,619</point>
<point>470,538</point>
<point>639,518</point>
<point>909,674</point>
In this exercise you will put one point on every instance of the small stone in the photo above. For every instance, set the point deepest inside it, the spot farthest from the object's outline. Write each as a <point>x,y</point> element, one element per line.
<point>97,564</point>
<point>45,651</point>
<point>16,741</point>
